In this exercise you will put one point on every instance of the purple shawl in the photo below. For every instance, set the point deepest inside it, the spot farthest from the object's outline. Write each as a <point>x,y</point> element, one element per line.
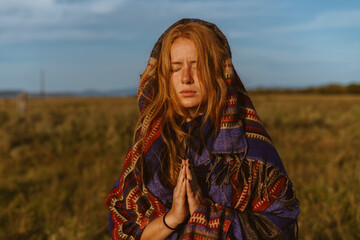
<point>248,193</point>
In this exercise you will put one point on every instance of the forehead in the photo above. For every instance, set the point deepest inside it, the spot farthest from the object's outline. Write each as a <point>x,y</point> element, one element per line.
<point>183,48</point>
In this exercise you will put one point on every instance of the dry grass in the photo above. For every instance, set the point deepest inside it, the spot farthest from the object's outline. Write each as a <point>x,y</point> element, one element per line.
<point>60,159</point>
<point>318,139</point>
<point>57,165</point>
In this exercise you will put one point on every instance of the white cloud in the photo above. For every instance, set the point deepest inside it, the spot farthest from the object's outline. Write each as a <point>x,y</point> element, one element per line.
<point>23,20</point>
<point>327,20</point>
<point>6,5</point>
<point>66,34</point>
<point>337,20</point>
<point>284,57</point>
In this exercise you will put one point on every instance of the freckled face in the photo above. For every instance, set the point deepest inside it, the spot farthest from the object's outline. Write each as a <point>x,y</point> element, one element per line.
<point>184,74</point>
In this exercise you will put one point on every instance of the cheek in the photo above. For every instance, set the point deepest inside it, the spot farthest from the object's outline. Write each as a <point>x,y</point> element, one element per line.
<point>174,81</point>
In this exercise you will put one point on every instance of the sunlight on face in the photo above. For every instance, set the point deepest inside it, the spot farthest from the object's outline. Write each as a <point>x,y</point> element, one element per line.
<point>184,74</point>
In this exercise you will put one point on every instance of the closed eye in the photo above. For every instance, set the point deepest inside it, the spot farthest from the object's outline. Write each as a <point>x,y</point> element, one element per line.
<point>175,67</point>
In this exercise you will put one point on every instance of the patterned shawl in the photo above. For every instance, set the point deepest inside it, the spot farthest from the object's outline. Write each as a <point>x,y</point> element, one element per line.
<point>248,193</point>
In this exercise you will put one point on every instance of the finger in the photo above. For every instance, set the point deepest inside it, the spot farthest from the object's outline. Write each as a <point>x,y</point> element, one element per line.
<point>188,172</point>
<point>189,191</point>
<point>180,179</point>
<point>180,193</point>
<point>180,175</point>
<point>193,175</point>
<point>183,189</point>
<point>194,185</point>
<point>183,170</point>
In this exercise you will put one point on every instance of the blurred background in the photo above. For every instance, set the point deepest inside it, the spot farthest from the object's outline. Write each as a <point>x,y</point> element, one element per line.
<point>69,71</point>
<point>103,45</point>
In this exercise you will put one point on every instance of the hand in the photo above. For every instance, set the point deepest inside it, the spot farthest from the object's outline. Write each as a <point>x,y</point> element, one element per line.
<point>193,190</point>
<point>180,209</point>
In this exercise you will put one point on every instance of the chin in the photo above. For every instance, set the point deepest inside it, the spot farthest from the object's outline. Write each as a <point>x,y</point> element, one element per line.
<point>190,104</point>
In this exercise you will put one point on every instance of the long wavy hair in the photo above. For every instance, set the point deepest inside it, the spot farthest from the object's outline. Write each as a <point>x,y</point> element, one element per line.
<point>165,105</point>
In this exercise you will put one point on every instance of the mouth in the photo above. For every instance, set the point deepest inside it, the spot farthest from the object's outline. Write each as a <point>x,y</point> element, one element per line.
<point>188,93</point>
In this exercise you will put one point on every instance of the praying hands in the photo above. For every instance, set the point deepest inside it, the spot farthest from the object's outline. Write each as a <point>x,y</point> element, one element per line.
<point>186,198</point>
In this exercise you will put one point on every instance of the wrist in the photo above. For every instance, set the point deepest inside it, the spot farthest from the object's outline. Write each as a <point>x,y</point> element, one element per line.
<point>170,221</point>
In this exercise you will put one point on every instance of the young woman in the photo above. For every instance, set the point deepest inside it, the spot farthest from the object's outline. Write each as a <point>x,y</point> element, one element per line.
<point>201,165</point>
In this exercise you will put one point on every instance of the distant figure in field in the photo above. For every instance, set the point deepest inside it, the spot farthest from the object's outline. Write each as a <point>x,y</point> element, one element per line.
<point>22,102</point>
<point>201,166</point>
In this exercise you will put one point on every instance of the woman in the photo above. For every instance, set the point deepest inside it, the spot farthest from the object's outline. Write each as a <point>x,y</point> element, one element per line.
<point>201,165</point>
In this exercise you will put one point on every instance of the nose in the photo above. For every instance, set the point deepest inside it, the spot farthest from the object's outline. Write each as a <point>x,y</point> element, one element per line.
<point>187,77</point>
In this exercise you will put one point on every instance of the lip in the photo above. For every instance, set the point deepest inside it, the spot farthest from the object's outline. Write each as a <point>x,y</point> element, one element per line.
<point>188,93</point>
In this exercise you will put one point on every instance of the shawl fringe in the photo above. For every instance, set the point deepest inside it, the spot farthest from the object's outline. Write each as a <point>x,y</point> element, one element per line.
<point>227,166</point>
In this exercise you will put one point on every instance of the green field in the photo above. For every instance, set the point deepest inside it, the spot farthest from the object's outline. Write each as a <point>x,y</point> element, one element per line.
<point>60,159</point>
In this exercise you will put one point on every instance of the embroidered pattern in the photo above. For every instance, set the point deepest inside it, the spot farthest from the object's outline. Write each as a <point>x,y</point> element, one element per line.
<point>244,162</point>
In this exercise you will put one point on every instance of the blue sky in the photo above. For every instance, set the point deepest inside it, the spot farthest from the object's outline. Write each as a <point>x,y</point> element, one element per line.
<point>105,44</point>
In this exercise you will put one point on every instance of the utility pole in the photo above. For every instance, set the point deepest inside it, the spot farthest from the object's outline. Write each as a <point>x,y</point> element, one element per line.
<point>42,83</point>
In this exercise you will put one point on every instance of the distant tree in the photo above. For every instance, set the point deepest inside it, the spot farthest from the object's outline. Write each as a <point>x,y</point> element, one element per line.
<point>332,89</point>
<point>353,88</point>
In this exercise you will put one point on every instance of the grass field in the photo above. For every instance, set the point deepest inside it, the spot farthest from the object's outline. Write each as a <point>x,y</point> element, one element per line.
<point>60,159</point>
